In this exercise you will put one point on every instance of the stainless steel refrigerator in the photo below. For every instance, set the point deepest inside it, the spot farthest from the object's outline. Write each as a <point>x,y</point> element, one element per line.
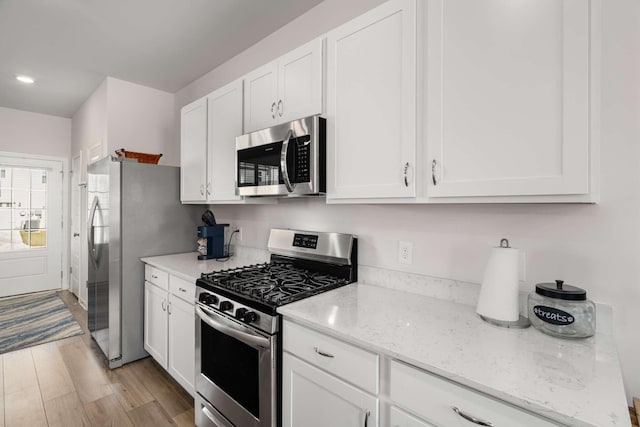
<point>134,212</point>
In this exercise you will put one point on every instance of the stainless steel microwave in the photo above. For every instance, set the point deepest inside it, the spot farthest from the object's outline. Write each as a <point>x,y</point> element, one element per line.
<point>283,160</point>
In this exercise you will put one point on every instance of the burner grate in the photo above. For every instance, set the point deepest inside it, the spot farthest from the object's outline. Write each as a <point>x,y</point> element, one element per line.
<point>275,283</point>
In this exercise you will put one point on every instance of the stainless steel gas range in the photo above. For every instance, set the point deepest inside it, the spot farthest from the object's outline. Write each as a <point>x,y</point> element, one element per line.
<point>238,342</point>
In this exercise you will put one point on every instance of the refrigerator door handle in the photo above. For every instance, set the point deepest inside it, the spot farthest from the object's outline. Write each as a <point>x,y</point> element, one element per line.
<point>90,233</point>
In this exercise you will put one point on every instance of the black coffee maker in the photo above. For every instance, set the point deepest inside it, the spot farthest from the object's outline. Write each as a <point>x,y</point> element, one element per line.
<point>212,238</point>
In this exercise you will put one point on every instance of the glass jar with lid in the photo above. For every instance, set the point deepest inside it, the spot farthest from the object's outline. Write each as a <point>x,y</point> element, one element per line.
<point>562,310</point>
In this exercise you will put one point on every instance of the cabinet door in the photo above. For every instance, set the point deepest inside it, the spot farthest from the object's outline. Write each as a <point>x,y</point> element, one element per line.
<point>314,398</point>
<point>399,418</point>
<point>193,151</point>
<point>225,123</point>
<point>371,104</point>
<point>300,82</point>
<point>507,97</point>
<point>182,343</point>
<point>155,323</point>
<point>261,97</point>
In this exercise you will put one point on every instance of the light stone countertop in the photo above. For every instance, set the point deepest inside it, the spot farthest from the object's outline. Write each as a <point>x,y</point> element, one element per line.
<point>574,382</point>
<point>187,266</point>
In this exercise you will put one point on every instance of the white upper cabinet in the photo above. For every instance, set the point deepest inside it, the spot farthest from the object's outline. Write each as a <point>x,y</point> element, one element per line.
<point>209,127</point>
<point>507,95</point>
<point>371,104</point>
<point>286,89</point>
<point>225,124</point>
<point>193,146</point>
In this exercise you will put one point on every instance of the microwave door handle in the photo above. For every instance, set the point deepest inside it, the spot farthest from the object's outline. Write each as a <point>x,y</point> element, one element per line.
<point>231,329</point>
<point>283,161</point>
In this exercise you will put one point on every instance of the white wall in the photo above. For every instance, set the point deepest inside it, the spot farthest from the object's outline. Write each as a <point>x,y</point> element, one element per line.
<point>33,133</point>
<point>142,119</point>
<point>596,247</point>
<point>89,123</point>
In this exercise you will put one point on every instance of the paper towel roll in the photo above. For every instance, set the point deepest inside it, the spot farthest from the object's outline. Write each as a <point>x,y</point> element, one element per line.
<point>499,292</point>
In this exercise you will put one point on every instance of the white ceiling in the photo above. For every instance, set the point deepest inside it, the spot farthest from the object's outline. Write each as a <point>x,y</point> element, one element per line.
<point>70,46</point>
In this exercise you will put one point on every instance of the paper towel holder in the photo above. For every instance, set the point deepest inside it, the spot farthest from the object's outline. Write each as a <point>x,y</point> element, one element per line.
<point>522,322</point>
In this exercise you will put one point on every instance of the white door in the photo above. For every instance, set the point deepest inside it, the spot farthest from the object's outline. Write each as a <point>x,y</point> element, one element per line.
<point>260,97</point>
<point>193,151</point>
<point>225,123</point>
<point>314,398</point>
<point>300,82</point>
<point>30,225</point>
<point>156,323</point>
<point>76,224</point>
<point>182,343</point>
<point>507,110</point>
<point>371,104</point>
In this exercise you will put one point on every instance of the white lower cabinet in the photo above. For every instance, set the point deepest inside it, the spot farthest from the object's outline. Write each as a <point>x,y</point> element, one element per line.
<point>182,342</point>
<point>314,398</point>
<point>328,382</point>
<point>169,327</point>
<point>155,323</point>
<point>399,418</point>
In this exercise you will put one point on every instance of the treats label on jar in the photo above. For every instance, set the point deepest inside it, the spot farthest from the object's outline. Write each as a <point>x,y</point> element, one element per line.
<point>553,315</point>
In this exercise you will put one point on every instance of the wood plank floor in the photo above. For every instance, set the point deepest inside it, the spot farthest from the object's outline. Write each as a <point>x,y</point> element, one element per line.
<point>68,383</point>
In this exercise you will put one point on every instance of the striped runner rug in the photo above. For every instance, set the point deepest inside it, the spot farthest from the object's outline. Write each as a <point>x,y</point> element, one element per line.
<point>32,319</point>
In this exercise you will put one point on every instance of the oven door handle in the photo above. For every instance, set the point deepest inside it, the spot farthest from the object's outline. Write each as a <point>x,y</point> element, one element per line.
<point>283,160</point>
<point>231,329</point>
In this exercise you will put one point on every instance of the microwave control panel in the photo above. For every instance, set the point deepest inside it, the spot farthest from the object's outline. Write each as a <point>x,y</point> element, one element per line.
<point>303,160</point>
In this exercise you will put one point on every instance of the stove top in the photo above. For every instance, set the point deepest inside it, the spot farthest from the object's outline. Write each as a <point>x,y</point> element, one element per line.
<point>279,282</point>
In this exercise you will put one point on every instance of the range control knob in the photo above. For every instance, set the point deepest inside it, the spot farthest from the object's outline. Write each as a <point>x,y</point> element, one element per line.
<point>208,299</point>
<point>240,313</point>
<point>226,306</point>
<point>250,317</point>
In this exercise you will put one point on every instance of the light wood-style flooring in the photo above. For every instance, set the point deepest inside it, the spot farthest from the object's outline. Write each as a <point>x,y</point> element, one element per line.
<point>68,383</point>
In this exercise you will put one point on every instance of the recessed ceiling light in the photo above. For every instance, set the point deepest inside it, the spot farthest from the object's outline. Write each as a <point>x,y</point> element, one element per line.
<point>25,79</point>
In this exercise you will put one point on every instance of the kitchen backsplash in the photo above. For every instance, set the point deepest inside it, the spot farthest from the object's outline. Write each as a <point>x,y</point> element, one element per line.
<point>435,287</point>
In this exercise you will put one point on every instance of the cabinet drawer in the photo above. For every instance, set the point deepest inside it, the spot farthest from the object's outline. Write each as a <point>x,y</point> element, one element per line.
<point>353,364</point>
<point>399,418</point>
<point>157,277</point>
<point>182,289</point>
<point>435,398</point>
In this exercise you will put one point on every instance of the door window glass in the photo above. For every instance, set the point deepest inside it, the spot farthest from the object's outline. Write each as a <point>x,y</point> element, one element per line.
<point>23,208</point>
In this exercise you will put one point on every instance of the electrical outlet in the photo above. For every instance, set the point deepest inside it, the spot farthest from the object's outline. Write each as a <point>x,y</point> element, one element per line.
<point>405,252</point>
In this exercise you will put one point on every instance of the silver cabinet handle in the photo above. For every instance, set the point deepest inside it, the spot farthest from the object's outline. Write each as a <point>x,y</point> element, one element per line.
<point>406,168</point>
<point>280,108</point>
<point>208,188</point>
<point>472,419</point>
<point>153,276</point>
<point>367,414</point>
<point>322,353</point>
<point>202,189</point>
<point>169,308</point>
<point>76,234</point>
<point>164,306</point>
<point>273,110</point>
<point>182,289</point>
<point>433,171</point>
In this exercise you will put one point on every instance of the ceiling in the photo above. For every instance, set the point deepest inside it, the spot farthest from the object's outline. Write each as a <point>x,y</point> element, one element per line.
<point>70,46</point>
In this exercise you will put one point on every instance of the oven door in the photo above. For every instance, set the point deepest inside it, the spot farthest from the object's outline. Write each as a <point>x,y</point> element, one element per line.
<point>236,369</point>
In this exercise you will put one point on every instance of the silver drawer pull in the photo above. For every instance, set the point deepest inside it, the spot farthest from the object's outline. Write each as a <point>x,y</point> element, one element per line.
<point>472,419</point>
<point>322,353</point>
<point>154,276</point>
<point>182,289</point>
